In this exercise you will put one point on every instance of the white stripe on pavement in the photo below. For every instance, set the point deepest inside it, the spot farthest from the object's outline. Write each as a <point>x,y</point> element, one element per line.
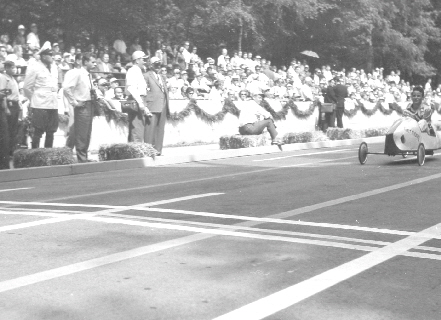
<point>5,190</point>
<point>94,263</point>
<point>301,155</point>
<point>119,208</point>
<point>287,297</point>
<point>33,223</point>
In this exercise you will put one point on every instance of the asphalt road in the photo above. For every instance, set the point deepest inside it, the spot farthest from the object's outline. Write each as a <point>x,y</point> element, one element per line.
<point>305,235</point>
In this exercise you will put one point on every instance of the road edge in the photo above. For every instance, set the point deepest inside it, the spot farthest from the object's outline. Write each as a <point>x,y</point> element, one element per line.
<point>92,167</point>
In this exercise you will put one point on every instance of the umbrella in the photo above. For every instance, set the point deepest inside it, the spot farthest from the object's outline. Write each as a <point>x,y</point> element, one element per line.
<point>311,54</point>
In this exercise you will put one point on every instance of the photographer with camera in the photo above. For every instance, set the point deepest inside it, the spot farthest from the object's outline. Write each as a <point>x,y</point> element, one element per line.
<point>80,93</point>
<point>41,87</point>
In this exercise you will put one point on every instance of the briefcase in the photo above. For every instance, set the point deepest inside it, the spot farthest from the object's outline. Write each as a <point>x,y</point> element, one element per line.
<point>129,106</point>
<point>328,107</point>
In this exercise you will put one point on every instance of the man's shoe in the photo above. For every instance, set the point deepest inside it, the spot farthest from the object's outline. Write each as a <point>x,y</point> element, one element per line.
<point>278,142</point>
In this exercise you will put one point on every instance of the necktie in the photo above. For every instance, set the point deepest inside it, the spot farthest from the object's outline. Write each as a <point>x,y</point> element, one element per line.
<point>160,82</point>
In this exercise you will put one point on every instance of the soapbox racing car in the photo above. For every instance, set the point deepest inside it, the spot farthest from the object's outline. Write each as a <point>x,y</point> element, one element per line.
<point>404,138</point>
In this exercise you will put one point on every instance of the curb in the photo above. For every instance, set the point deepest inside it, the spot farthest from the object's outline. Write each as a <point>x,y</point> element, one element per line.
<point>81,168</point>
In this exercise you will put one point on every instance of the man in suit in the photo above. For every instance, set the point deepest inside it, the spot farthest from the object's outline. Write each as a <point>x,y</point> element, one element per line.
<point>329,97</point>
<point>341,92</point>
<point>157,102</point>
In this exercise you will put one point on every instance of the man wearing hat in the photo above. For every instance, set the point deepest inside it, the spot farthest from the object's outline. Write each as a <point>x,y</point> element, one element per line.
<point>136,88</point>
<point>110,94</point>
<point>157,103</point>
<point>77,89</point>
<point>20,38</point>
<point>41,87</point>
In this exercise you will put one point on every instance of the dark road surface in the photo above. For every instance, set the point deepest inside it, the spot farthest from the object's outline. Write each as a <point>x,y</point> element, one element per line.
<point>305,235</point>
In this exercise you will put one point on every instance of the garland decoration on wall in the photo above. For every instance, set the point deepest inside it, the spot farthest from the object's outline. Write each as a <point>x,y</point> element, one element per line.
<point>101,108</point>
<point>228,107</point>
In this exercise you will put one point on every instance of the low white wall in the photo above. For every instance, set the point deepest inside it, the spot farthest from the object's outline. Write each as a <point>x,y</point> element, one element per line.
<point>194,129</point>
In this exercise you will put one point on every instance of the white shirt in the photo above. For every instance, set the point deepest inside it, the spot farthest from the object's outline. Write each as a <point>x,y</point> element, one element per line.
<point>77,85</point>
<point>135,83</point>
<point>120,46</point>
<point>252,112</point>
<point>33,40</point>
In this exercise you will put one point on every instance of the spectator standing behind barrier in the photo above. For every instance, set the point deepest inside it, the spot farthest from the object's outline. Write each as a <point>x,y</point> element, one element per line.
<point>41,87</point>
<point>20,38</point>
<point>78,91</point>
<point>32,39</point>
<point>104,66</point>
<point>158,104</point>
<point>341,93</point>
<point>8,82</point>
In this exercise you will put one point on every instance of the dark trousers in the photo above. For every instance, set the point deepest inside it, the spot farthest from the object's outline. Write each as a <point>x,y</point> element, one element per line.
<point>154,129</point>
<point>14,109</point>
<point>44,120</point>
<point>339,116</point>
<point>83,117</point>
<point>258,127</point>
<point>136,126</point>
<point>4,140</point>
<point>329,120</point>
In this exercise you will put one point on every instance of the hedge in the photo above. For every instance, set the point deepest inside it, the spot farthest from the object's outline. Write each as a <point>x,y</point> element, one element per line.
<point>121,151</point>
<point>26,158</point>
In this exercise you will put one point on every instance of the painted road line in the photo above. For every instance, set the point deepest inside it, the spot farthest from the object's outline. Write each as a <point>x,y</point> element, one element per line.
<point>160,185</point>
<point>33,224</point>
<point>55,273</point>
<point>201,235</point>
<point>6,190</point>
<point>251,229</point>
<point>301,155</point>
<point>287,297</point>
<point>278,221</point>
<point>196,196</point>
<point>101,206</point>
<point>34,213</point>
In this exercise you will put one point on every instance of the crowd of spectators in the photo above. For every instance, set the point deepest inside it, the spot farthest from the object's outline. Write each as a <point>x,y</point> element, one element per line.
<point>225,76</point>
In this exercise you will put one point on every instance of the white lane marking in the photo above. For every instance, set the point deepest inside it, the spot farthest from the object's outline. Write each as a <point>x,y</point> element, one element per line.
<point>301,155</point>
<point>120,208</point>
<point>5,190</point>
<point>94,263</point>
<point>278,221</point>
<point>263,230</point>
<point>287,297</point>
<point>33,224</point>
<point>89,214</point>
<point>196,196</point>
<point>186,181</point>
<point>34,213</point>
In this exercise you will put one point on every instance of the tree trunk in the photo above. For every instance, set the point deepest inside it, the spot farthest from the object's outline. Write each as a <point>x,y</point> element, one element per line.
<point>370,52</point>
<point>239,43</point>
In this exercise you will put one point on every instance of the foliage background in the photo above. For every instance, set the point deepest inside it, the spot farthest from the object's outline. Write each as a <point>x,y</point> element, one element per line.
<point>395,34</point>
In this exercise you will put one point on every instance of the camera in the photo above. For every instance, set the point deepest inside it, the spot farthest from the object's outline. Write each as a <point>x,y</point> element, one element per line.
<point>93,95</point>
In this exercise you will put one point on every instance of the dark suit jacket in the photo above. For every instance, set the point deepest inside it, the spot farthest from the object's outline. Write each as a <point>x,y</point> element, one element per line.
<point>157,98</point>
<point>330,95</point>
<point>341,92</point>
<point>100,67</point>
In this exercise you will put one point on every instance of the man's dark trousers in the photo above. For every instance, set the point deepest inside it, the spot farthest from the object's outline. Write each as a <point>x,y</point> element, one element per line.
<point>14,109</point>
<point>137,124</point>
<point>4,140</point>
<point>83,117</point>
<point>154,129</point>
<point>339,115</point>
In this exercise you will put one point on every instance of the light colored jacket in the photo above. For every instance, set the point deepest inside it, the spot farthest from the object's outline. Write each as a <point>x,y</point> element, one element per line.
<point>41,86</point>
